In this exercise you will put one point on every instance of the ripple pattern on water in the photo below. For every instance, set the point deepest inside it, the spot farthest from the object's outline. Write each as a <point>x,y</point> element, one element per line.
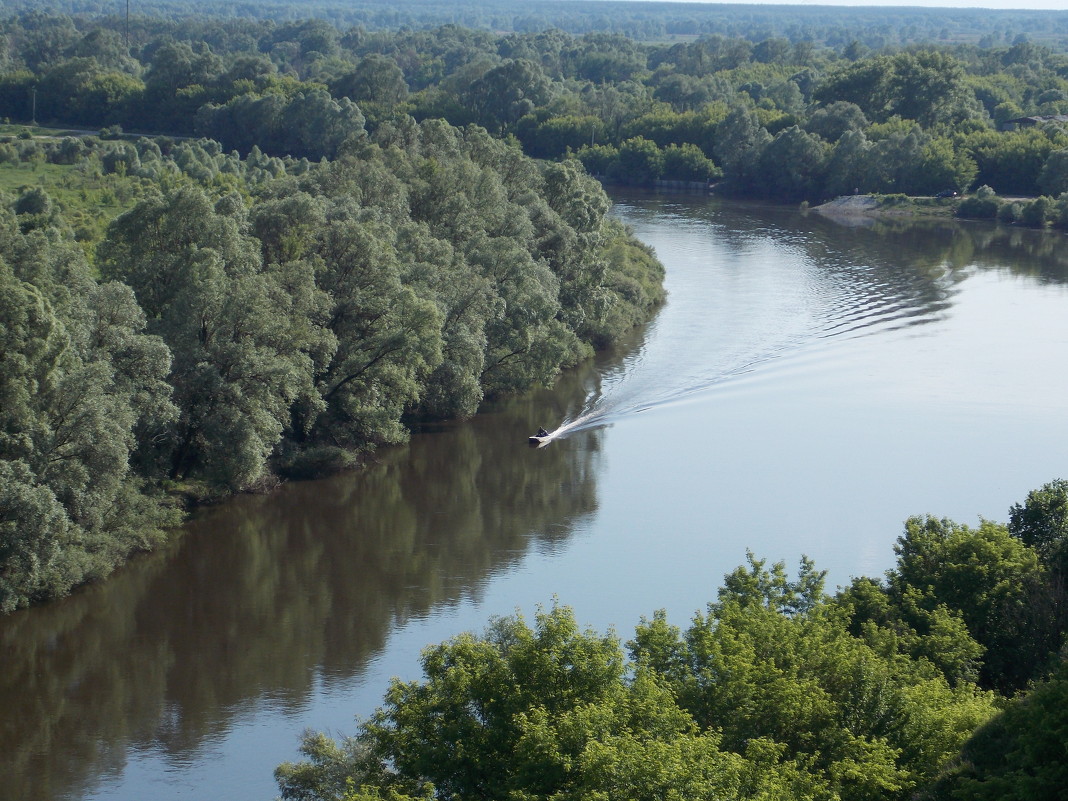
<point>807,294</point>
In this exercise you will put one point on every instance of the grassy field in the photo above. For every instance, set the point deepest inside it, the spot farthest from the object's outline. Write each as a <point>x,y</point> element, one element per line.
<point>88,198</point>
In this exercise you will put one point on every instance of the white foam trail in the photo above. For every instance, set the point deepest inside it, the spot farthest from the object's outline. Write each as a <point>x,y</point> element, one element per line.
<point>740,303</point>
<point>617,401</point>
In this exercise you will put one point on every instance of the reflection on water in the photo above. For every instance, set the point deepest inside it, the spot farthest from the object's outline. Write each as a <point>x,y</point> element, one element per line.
<point>268,596</point>
<point>287,598</point>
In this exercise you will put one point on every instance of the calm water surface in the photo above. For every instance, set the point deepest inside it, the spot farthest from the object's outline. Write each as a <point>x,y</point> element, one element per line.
<point>808,386</point>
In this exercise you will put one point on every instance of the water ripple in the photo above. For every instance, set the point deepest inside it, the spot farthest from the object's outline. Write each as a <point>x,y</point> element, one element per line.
<point>787,294</point>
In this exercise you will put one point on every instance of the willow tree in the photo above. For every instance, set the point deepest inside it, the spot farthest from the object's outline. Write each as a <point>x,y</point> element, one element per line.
<point>244,335</point>
<point>81,387</point>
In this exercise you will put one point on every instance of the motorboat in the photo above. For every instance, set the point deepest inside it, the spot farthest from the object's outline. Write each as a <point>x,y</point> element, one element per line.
<point>541,439</point>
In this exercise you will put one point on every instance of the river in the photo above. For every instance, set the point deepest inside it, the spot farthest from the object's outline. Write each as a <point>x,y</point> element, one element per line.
<point>808,385</point>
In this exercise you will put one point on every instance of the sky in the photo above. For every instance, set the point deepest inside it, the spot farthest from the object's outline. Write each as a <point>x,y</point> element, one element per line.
<point>1016,5</point>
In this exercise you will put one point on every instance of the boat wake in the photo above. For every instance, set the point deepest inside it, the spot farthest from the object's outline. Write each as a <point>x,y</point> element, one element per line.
<point>630,389</point>
<point>739,304</point>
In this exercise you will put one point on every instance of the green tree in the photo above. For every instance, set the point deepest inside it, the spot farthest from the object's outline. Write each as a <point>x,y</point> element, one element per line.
<point>526,713</point>
<point>81,385</point>
<point>242,334</point>
<point>177,82</point>
<point>990,578</point>
<point>639,162</point>
<point>983,205</point>
<point>835,119</point>
<point>740,141</point>
<point>1011,162</point>
<point>1017,756</point>
<point>388,338</point>
<point>847,165</point>
<point>928,86</point>
<point>791,166</point>
<point>1041,522</point>
<point>1053,179</point>
<point>554,136</point>
<point>375,79</point>
<point>772,660</point>
<point>507,92</point>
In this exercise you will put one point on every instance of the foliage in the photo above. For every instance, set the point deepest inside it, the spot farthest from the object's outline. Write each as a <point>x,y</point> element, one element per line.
<point>978,603</point>
<point>242,336</point>
<point>289,316</point>
<point>766,695</point>
<point>989,576</point>
<point>1041,522</point>
<point>522,712</point>
<point>776,690</point>
<point>1019,754</point>
<point>983,205</point>
<point>81,385</point>
<point>309,89</point>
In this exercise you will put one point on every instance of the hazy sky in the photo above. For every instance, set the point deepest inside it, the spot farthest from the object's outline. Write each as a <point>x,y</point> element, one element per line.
<point>1049,5</point>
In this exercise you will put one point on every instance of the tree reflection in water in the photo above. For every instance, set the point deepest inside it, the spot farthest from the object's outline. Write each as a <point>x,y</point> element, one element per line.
<point>267,595</point>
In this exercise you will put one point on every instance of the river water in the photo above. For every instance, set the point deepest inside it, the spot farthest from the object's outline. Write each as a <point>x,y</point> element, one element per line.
<point>808,386</point>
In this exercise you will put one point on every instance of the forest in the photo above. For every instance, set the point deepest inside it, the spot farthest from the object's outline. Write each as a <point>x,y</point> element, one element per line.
<point>875,27</point>
<point>242,320</point>
<point>788,118</point>
<point>256,246</point>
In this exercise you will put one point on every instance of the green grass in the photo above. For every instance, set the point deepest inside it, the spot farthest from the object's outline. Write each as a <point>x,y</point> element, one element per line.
<point>89,201</point>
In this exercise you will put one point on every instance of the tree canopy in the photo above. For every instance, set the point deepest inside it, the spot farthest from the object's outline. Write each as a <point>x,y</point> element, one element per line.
<point>895,689</point>
<point>250,318</point>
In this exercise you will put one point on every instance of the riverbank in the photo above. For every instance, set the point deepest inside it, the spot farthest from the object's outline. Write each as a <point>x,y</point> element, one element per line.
<point>888,205</point>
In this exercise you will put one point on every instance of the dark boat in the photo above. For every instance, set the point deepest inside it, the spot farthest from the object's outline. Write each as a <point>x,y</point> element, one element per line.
<point>540,439</point>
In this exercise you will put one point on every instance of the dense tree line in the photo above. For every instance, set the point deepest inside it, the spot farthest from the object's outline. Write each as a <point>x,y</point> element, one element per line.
<point>889,689</point>
<point>254,317</point>
<point>779,117</point>
<point>873,27</point>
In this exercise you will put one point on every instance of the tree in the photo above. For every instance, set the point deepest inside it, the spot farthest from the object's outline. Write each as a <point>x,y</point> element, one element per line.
<point>740,139</point>
<point>791,166</point>
<point>773,661</point>
<point>1011,162</point>
<point>388,338</point>
<point>176,83</point>
<point>554,136</point>
<point>942,167</point>
<point>1053,179</point>
<point>507,92</point>
<point>1017,756</point>
<point>376,79</point>
<point>688,162</point>
<point>526,713</point>
<point>938,635</point>
<point>848,165</point>
<point>1041,522</point>
<point>639,162</point>
<point>990,578</point>
<point>80,386</point>
<point>929,86</point>
<point>313,124</point>
<point>683,92</point>
<point>243,335</point>
<point>924,85</point>
<point>835,119</point>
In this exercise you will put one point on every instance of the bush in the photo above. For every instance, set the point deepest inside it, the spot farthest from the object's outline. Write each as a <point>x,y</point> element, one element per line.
<point>1009,212</point>
<point>1037,213</point>
<point>983,205</point>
